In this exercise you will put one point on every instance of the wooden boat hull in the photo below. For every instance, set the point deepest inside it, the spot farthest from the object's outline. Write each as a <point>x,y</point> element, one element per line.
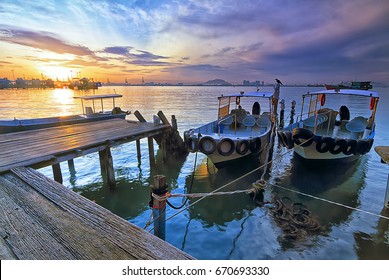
<point>16,125</point>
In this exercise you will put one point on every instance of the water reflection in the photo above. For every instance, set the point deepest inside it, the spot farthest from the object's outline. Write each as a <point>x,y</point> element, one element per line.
<point>376,245</point>
<point>340,183</point>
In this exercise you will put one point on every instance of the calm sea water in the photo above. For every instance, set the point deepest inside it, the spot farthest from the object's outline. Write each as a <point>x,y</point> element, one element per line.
<point>230,227</point>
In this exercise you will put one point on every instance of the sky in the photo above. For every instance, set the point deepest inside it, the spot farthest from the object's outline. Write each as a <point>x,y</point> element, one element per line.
<point>297,41</point>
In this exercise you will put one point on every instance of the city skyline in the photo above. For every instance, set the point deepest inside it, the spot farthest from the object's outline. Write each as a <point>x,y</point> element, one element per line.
<point>195,41</point>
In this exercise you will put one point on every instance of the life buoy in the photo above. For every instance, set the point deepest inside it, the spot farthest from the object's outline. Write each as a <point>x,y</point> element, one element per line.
<point>207,145</point>
<point>338,146</point>
<point>237,100</point>
<point>302,134</point>
<point>221,147</point>
<point>372,103</point>
<point>350,147</point>
<point>324,145</point>
<point>322,100</point>
<point>242,146</point>
<point>192,144</point>
<point>255,145</point>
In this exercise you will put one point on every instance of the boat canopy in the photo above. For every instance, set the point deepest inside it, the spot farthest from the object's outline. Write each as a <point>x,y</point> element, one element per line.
<point>101,97</point>
<point>249,94</point>
<point>358,92</point>
<point>98,96</point>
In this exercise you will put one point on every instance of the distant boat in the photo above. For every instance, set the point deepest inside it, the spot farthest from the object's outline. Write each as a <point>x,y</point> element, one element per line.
<point>84,84</point>
<point>317,135</point>
<point>353,85</point>
<point>235,134</point>
<point>89,114</point>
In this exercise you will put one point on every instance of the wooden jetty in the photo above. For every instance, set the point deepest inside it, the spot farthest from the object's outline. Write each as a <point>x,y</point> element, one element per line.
<point>50,146</point>
<point>383,152</point>
<point>41,219</point>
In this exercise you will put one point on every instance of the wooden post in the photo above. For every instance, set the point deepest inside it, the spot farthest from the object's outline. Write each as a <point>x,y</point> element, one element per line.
<point>387,194</point>
<point>57,173</point>
<point>159,206</point>
<point>138,150</point>
<point>163,118</point>
<point>151,151</point>
<point>174,122</point>
<point>106,164</point>
<point>72,169</point>
<point>164,149</point>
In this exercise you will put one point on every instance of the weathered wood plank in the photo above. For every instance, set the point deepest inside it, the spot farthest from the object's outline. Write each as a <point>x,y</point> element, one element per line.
<point>134,241</point>
<point>31,147</point>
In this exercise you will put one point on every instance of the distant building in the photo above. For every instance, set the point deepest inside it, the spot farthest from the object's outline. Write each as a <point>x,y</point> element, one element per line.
<point>5,83</point>
<point>255,84</point>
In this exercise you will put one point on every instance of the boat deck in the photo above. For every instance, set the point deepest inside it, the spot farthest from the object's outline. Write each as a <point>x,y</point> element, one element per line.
<point>43,147</point>
<point>41,219</point>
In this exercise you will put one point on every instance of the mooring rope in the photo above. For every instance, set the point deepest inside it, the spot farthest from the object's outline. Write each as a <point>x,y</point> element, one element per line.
<point>329,201</point>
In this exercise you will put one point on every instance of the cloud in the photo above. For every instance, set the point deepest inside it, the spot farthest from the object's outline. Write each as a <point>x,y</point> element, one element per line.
<point>118,50</point>
<point>43,41</point>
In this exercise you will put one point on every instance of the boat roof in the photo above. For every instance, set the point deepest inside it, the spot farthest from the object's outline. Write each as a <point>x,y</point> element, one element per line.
<point>249,94</point>
<point>358,92</point>
<point>98,96</point>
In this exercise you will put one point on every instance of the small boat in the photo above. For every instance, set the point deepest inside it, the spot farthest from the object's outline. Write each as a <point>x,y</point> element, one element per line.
<point>353,85</point>
<point>318,135</point>
<point>235,134</point>
<point>89,114</point>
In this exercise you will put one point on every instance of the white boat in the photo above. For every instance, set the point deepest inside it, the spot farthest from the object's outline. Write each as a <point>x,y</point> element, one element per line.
<point>89,113</point>
<point>236,133</point>
<point>319,134</point>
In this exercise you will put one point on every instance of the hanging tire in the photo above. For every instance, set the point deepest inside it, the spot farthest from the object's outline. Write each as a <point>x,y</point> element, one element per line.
<point>255,145</point>
<point>362,146</point>
<point>350,147</point>
<point>192,144</point>
<point>207,145</point>
<point>303,134</point>
<point>242,146</point>
<point>223,143</point>
<point>338,146</point>
<point>324,145</point>
<point>285,138</point>
<point>370,141</point>
<point>280,138</point>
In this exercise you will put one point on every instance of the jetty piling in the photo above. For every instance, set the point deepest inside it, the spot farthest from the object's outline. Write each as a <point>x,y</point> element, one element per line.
<point>57,173</point>
<point>159,189</point>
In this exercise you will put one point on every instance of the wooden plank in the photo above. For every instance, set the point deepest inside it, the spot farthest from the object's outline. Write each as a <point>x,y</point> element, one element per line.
<point>383,152</point>
<point>117,238</point>
<point>23,148</point>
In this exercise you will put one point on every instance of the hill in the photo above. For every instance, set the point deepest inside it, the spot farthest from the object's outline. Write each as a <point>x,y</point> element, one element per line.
<point>216,82</point>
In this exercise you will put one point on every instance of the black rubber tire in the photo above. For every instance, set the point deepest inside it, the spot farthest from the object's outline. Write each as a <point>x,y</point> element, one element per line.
<point>350,147</point>
<point>245,143</point>
<point>362,146</point>
<point>230,151</point>
<point>201,145</point>
<point>304,134</point>
<point>192,144</point>
<point>338,146</point>
<point>255,145</point>
<point>328,141</point>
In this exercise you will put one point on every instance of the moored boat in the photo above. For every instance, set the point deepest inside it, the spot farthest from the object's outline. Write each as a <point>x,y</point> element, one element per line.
<point>236,133</point>
<point>89,114</point>
<point>319,135</point>
<point>353,85</point>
